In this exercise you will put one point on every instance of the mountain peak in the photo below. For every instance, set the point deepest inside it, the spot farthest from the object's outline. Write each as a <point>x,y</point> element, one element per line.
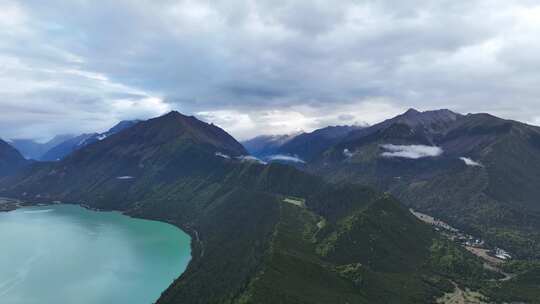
<point>175,114</point>
<point>175,125</point>
<point>435,120</point>
<point>412,111</point>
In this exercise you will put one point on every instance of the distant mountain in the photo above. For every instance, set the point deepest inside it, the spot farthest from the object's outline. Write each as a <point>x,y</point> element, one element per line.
<point>260,233</point>
<point>299,147</point>
<point>307,146</point>
<point>476,171</point>
<point>174,143</point>
<point>74,143</point>
<point>10,159</point>
<point>32,149</point>
<point>428,122</point>
<point>266,145</point>
<point>65,148</point>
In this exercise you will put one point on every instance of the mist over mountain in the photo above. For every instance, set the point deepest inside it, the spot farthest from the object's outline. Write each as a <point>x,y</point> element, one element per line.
<point>299,147</point>
<point>31,149</point>
<point>265,145</point>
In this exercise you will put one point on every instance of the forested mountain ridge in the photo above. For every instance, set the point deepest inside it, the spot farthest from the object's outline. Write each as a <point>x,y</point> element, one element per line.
<point>260,233</point>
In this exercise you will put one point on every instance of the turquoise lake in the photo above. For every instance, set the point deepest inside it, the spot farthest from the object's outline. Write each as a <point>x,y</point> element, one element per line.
<point>67,254</point>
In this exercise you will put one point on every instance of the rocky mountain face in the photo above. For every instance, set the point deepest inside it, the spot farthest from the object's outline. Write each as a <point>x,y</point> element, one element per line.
<point>476,171</point>
<point>260,233</point>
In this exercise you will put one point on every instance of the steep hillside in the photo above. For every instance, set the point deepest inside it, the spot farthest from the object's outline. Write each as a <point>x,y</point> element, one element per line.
<point>10,159</point>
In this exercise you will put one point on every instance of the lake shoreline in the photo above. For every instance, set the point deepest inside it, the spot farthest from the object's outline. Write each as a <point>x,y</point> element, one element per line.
<point>196,243</point>
<point>9,204</point>
<point>186,245</point>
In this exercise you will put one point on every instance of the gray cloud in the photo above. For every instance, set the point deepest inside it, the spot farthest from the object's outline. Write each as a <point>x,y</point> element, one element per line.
<point>262,66</point>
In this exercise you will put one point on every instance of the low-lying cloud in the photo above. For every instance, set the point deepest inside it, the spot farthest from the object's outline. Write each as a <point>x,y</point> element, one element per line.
<point>347,153</point>
<point>470,162</point>
<point>250,158</point>
<point>286,158</point>
<point>411,151</point>
<point>222,155</point>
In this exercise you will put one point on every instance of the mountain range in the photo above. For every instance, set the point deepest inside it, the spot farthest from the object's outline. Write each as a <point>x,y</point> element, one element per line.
<point>62,145</point>
<point>271,233</point>
<point>32,149</point>
<point>477,172</point>
<point>302,147</point>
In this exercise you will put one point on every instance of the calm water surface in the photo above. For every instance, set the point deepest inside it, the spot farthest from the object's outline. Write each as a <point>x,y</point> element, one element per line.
<point>67,254</point>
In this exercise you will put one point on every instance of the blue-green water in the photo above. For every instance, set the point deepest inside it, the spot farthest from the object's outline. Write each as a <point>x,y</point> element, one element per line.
<point>67,254</point>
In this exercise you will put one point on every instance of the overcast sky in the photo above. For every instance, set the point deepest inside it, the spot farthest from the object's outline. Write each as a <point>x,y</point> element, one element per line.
<point>268,66</point>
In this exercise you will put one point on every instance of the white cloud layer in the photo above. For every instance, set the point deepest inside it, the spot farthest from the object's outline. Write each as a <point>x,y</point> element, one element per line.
<point>262,66</point>
<point>411,151</point>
